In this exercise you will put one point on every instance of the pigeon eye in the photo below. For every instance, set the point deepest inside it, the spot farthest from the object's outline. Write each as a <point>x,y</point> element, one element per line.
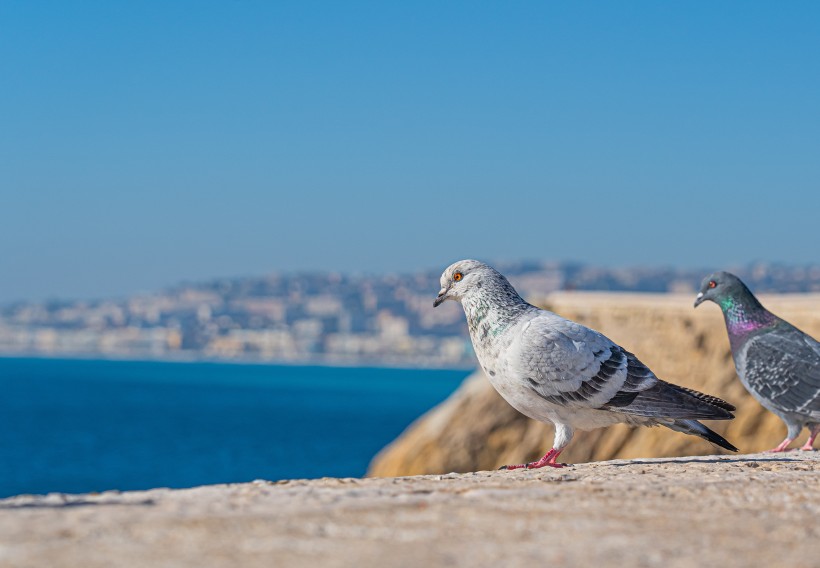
<point>457,276</point>
<point>712,283</point>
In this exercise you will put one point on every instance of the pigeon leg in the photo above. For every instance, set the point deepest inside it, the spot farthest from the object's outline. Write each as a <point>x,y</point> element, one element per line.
<point>782,447</point>
<point>808,446</point>
<point>547,460</point>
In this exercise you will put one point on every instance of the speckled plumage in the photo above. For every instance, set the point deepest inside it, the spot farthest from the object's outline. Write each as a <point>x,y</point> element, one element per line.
<point>555,370</point>
<point>776,362</point>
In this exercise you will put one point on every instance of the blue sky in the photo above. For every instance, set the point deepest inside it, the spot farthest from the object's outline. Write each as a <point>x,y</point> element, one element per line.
<point>145,143</point>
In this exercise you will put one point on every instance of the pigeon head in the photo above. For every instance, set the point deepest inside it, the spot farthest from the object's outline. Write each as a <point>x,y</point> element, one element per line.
<point>466,278</point>
<point>721,288</point>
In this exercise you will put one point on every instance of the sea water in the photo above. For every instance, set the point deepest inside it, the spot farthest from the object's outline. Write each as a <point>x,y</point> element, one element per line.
<point>81,426</point>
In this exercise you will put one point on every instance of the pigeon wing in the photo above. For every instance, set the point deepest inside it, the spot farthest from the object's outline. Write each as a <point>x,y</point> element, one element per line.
<point>571,365</point>
<point>783,366</point>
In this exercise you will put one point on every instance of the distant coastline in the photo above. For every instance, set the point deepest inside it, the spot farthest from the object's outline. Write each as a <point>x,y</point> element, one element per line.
<point>323,319</point>
<point>183,359</point>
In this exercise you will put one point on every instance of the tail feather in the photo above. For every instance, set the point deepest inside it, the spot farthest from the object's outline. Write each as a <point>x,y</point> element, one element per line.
<point>665,400</point>
<point>713,400</point>
<point>697,429</point>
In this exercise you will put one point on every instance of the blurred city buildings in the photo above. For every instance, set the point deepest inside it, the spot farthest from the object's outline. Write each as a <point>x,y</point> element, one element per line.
<point>320,317</point>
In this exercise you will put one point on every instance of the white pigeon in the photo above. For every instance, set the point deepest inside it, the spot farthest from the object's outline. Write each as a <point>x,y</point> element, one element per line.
<point>555,370</point>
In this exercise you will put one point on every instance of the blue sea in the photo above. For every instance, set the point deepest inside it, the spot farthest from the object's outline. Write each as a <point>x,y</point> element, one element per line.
<point>82,426</point>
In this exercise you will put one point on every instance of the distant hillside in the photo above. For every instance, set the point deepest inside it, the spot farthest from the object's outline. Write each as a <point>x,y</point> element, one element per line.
<point>322,317</point>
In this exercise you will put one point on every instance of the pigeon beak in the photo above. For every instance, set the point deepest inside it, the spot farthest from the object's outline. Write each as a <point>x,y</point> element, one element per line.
<point>699,299</point>
<point>440,298</point>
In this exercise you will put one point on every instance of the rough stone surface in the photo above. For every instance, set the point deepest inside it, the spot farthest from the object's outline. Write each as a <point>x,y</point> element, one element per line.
<point>759,510</point>
<point>476,429</point>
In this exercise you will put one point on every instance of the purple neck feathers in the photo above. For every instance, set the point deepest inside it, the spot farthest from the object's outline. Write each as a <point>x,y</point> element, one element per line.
<point>744,316</point>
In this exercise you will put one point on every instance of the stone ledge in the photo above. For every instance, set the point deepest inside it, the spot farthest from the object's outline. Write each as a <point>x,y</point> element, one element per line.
<point>757,509</point>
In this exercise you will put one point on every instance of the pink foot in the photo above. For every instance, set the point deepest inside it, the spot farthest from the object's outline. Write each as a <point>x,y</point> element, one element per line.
<point>782,447</point>
<point>809,445</point>
<point>547,460</point>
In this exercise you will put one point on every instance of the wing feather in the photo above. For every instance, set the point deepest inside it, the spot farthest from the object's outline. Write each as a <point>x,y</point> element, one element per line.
<point>571,365</point>
<point>783,367</point>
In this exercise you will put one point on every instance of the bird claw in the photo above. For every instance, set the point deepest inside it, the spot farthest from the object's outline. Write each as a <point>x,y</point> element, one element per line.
<point>536,465</point>
<point>783,447</point>
<point>533,465</point>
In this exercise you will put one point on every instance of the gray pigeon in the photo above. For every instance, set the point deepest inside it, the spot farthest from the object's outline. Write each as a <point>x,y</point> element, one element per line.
<point>555,370</point>
<point>776,362</point>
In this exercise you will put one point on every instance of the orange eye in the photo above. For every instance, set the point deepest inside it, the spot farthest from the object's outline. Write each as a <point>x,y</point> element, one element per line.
<point>712,283</point>
<point>457,276</point>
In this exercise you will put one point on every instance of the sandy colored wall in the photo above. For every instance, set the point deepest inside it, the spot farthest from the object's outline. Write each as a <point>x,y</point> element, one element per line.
<point>476,430</point>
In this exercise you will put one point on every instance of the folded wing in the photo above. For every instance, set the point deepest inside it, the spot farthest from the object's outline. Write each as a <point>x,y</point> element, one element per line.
<point>571,365</point>
<point>784,368</point>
